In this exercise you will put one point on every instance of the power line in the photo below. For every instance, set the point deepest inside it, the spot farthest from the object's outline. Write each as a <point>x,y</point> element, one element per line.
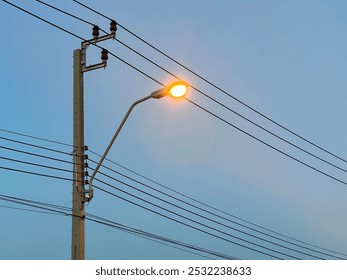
<point>211,207</point>
<point>265,143</point>
<point>201,92</point>
<point>35,137</point>
<point>35,146</point>
<point>82,39</point>
<point>143,73</point>
<point>64,12</point>
<point>191,220</point>
<point>94,11</point>
<point>38,165</point>
<point>211,213</point>
<point>35,173</point>
<point>28,210</point>
<point>56,209</point>
<point>55,206</point>
<point>42,19</point>
<point>35,154</point>
<point>214,85</point>
<point>233,111</point>
<point>153,79</point>
<point>158,237</point>
<point>203,217</point>
<point>30,163</point>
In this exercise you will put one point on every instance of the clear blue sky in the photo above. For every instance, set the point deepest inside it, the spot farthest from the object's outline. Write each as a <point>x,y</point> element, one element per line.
<point>287,59</point>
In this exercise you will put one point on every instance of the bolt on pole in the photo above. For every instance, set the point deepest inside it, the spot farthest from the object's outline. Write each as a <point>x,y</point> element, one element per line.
<point>79,194</point>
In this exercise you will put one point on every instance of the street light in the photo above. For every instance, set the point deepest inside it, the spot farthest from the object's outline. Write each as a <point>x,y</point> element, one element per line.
<point>176,90</point>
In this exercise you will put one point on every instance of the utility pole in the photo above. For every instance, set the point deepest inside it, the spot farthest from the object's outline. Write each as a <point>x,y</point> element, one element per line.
<point>79,194</point>
<point>78,211</point>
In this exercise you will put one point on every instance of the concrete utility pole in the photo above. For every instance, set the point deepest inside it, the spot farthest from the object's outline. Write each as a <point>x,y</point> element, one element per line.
<point>79,194</point>
<point>78,211</point>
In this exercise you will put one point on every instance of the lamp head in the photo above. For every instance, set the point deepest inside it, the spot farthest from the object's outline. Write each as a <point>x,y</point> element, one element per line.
<point>177,90</point>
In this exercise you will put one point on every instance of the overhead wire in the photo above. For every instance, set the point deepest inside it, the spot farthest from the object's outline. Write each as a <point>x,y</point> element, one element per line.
<point>35,154</point>
<point>58,210</point>
<point>45,204</point>
<point>233,111</point>
<point>36,173</point>
<point>158,237</point>
<point>227,122</point>
<point>39,165</point>
<point>28,210</point>
<point>116,57</point>
<point>35,146</point>
<point>35,137</point>
<point>209,227</point>
<point>42,19</point>
<point>207,205</point>
<point>266,144</point>
<point>214,85</point>
<point>203,216</point>
<point>186,224</point>
<point>143,185</point>
<point>146,185</point>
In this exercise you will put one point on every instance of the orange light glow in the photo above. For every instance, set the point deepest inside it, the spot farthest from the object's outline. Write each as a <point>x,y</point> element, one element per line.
<point>178,90</point>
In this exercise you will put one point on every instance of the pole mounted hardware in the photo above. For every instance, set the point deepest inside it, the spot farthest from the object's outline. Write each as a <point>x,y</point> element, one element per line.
<point>96,39</point>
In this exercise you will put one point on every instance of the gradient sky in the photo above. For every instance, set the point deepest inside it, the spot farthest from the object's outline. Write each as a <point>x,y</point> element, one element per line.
<point>287,59</point>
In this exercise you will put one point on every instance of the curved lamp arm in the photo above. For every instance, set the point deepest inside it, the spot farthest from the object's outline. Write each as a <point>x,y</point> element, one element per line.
<point>90,191</point>
<point>176,89</point>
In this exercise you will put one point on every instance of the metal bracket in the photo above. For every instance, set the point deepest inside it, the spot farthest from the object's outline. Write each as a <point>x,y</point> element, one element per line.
<point>86,44</point>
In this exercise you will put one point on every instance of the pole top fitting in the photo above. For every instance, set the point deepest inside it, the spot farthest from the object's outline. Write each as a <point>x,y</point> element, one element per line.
<point>96,32</point>
<point>104,55</point>
<point>113,27</point>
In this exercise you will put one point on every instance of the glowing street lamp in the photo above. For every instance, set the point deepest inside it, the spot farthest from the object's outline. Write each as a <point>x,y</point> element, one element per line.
<point>177,90</point>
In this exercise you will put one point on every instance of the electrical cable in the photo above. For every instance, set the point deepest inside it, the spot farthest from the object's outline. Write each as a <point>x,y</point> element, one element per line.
<point>55,206</point>
<point>40,165</point>
<point>35,137</point>
<point>66,13</point>
<point>156,190</point>
<point>266,144</point>
<point>158,237</point>
<point>214,85</point>
<point>35,146</point>
<point>204,94</point>
<point>212,207</point>
<point>28,210</point>
<point>204,217</point>
<point>95,11</point>
<point>153,79</point>
<point>131,66</point>
<point>42,19</point>
<point>191,220</point>
<point>211,213</point>
<point>35,154</point>
<point>96,219</point>
<point>36,173</point>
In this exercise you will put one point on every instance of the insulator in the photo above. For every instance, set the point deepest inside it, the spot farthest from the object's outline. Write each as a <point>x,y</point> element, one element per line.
<point>85,156</point>
<point>113,27</point>
<point>85,148</point>
<point>104,55</point>
<point>96,31</point>
<point>86,174</point>
<point>86,182</point>
<point>86,165</point>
